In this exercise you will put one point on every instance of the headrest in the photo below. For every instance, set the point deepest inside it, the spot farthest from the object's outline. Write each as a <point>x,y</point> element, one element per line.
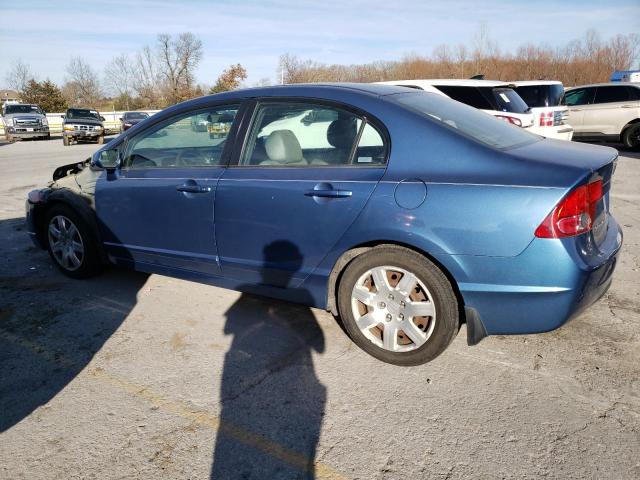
<point>342,133</point>
<point>282,146</point>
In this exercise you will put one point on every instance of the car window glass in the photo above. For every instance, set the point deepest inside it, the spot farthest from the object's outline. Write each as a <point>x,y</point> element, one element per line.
<point>371,149</point>
<point>507,100</point>
<point>541,95</point>
<point>611,94</point>
<point>300,134</point>
<point>580,96</point>
<point>471,96</point>
<point>192,140</point>
<point>469,121</point>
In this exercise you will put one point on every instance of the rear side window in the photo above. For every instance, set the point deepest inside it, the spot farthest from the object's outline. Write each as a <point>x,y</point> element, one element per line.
<point>541,95</point>
<point>579,96</point>
<point>471,96</point>
<point>634,93</point>
<point>470,122</point>
<point>301,134</point>
<point>611,94</point>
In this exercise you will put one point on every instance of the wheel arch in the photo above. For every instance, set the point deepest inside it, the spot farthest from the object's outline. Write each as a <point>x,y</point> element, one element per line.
<point>78,204</point>
<point>357,250</point>
<point>628,125</point>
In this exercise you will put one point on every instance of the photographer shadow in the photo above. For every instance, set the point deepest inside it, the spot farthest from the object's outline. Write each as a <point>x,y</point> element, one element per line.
<point>272,403</point>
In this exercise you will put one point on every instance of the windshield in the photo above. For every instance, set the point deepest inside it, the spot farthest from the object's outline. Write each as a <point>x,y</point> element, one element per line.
<point>11,109</point>
<point>542,95</point>
<point>82,113</point>
<point>136,115</point>
<point>469,121</point>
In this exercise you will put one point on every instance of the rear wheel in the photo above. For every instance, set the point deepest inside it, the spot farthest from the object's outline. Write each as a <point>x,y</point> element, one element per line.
<point>398,306</point>
<point>631,137</point>
<point>71,244</point>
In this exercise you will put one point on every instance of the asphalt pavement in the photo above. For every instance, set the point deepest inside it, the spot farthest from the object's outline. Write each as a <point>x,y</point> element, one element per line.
<point>135,376</point>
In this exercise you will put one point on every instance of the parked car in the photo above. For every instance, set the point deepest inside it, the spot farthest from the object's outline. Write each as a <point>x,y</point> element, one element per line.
<point>82,124</point>
<point>605,112</point>
<point>402,211</point>
<point>129,119</point>
<point>496,98</point>
<point>545,98</point>
<point>24,121</point>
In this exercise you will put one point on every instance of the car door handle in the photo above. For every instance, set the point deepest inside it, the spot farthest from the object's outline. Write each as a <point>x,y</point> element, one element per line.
<point>329,193</point>
<point>191,188</point>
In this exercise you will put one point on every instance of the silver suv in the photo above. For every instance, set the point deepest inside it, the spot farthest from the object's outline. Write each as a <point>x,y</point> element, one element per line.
<point>605,112</point>
<point>24,121</point>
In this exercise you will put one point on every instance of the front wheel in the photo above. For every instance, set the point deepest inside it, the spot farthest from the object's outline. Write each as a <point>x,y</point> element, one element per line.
<point>100,139</point>
<point>631,137</point>
<point>10,138</point>
<point>398,306</point>
<point>71,244</point>
<point>65,141</point>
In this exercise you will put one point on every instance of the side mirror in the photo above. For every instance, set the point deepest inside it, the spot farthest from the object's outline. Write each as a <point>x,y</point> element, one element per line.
<point>120,119</point>
<point>106,159</point>
<point>101,118</point>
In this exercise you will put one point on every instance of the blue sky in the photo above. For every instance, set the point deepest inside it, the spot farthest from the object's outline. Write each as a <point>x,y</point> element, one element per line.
<point>45,34</point>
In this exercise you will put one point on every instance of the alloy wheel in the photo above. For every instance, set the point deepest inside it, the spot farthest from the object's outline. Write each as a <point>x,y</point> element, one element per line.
<point>66,243</point>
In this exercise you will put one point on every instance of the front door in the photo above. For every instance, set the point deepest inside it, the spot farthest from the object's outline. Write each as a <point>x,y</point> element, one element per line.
<point>305,173</point>
<point>157,211</point>
<point>579,101</point>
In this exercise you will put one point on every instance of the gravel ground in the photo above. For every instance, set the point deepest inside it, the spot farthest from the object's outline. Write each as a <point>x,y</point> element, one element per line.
<point>136,376</point>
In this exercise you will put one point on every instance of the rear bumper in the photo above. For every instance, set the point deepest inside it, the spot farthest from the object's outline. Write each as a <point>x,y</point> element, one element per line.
<point>543,287</point>
<point>560,132</point>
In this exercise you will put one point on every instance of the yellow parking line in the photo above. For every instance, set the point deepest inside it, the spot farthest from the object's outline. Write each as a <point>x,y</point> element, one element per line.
<point>195,415</point>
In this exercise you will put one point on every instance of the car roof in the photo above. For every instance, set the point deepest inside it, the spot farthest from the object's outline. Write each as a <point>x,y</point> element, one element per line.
<point>449,82</point>
<point>607,84</point>
<point>526,83</point>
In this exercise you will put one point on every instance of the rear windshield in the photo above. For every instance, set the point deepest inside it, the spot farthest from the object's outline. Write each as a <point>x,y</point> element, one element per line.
<point>12,109</point>
<point>486,98</point>
<point>542,95</point>
<point>82,113</point>
<point>468,121</point>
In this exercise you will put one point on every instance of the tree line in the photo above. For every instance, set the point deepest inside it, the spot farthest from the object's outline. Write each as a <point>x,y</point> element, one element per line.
<point>154,77</point>
<point>164,74</point>
<point>590,59</point>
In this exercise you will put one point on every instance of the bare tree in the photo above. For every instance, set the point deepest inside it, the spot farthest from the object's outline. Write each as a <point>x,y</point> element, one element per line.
<point>177,61</point>
<point>119,77</point>
<point>83,86</point>
<point>146,78</point>
<point>19,76</point>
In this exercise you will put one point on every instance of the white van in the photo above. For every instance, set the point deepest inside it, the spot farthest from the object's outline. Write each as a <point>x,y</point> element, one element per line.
<point>550,116</point>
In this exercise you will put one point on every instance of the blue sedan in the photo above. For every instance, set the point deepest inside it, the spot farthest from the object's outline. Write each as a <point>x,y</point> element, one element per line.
<point>402,212</point>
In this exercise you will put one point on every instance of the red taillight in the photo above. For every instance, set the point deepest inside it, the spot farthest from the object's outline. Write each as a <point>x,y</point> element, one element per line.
<point>546,119</point>
<point>574,214</point>
<point>512,120</point>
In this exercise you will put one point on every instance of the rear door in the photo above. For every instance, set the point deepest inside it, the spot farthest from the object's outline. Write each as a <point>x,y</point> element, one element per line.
<point>157,211</point>
<point>610,110</point>
<point>306,171</point>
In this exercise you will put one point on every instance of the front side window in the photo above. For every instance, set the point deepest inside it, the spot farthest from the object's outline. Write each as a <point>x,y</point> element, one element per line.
<point>580,96</point>
<point>300,134</point>
<point>190,140</point>
<point>611,94</point>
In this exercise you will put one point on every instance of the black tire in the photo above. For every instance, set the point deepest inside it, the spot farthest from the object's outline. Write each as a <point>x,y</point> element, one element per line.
<point>100,140</point>
<point>10,138</point>
<point>631,137</point>
<point>447,318</point>
<point>65,141</point>
<point>90,264</point>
